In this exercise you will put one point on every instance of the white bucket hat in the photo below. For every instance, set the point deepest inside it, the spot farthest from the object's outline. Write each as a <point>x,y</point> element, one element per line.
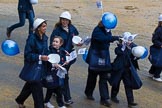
<point>127,36</point>
<point>65,15</point>
<point>37,22</point>
<point>160,17</point>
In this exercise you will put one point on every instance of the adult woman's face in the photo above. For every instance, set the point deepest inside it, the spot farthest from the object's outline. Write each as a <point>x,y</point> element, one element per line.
<point>64,22</point>
<point>42,28</point>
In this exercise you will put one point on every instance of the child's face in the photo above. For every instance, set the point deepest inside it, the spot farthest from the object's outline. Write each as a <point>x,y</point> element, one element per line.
<point>56,43</point>
<point>129,42</point>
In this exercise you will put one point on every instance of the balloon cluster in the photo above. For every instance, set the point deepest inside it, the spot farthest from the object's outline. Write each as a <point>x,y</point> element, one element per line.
<point>10,47</point>
<point>140,52</point>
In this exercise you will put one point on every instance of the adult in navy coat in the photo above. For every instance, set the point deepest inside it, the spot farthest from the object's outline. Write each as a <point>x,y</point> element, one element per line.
<point>121,71</point>
<point>25,10</point>
<point>155,70</point>
<point>66,30</point>
<point>101,39</point>
<point>36,51</point>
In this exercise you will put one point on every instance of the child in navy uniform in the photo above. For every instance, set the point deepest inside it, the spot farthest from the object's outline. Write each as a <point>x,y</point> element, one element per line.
<point>121,69</point>
<point>53,82</point>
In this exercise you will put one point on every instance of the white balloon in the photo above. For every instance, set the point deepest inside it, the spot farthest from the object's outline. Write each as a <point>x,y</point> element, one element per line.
<point>138,51</point>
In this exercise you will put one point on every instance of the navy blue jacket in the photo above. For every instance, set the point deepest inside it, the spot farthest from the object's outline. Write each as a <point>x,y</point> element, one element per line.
<point>53,71</point>
<point>62,55</point>
<point>25,5</point>
<point>35,47</point>
<point>121,62</point>
<point>67,36</point>
<point>122,59</point>
<point>157,37</point>
<point>100,41</point>
<point>61,52</point>
<point>155,56</point>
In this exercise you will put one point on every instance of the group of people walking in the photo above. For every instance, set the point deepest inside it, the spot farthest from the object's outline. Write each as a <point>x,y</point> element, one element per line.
<point>37,51</point>
<point>119,70</point>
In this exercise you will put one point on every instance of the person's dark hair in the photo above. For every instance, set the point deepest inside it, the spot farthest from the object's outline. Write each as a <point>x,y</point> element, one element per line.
<point>59,23</point>
<point>60,38</point>
<point>36,30</point>
<point>159,23</point>
<point>100,24</point>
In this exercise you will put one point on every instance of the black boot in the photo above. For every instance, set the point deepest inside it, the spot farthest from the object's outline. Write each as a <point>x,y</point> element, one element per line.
<point>90,97</point>
<point>105,103</point>
<point>132,104</point>
<point>115,99</point>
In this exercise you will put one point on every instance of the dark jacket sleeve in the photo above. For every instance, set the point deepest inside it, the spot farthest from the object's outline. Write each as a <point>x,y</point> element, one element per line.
<point>118,50</point>
<point>35,47</point>
<point>30,54</point>
<point>106,36</point>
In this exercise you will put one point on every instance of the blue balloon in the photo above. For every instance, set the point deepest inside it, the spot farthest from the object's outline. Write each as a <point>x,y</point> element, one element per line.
<point>84,56</point>
<point>109,20</point>
<point>145,54</point>
<point>10,47</point>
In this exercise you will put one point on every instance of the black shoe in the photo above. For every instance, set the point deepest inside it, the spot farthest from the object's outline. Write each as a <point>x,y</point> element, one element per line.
<point>69,102</point>
<point>90,97</point>
<point>105,103</point>
<point>8,32</point>
<point>132,104</point>
<point>115,99</point>
<point>20,105</point>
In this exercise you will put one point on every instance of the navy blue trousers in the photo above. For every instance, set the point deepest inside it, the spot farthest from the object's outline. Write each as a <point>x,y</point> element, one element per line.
<point>58,93</point>
<point>22,17</point>
<point>91,83</point>
<point>66,88</point>
<point>34,88</point>
<point>128,90</point>
<point>155,71</point>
